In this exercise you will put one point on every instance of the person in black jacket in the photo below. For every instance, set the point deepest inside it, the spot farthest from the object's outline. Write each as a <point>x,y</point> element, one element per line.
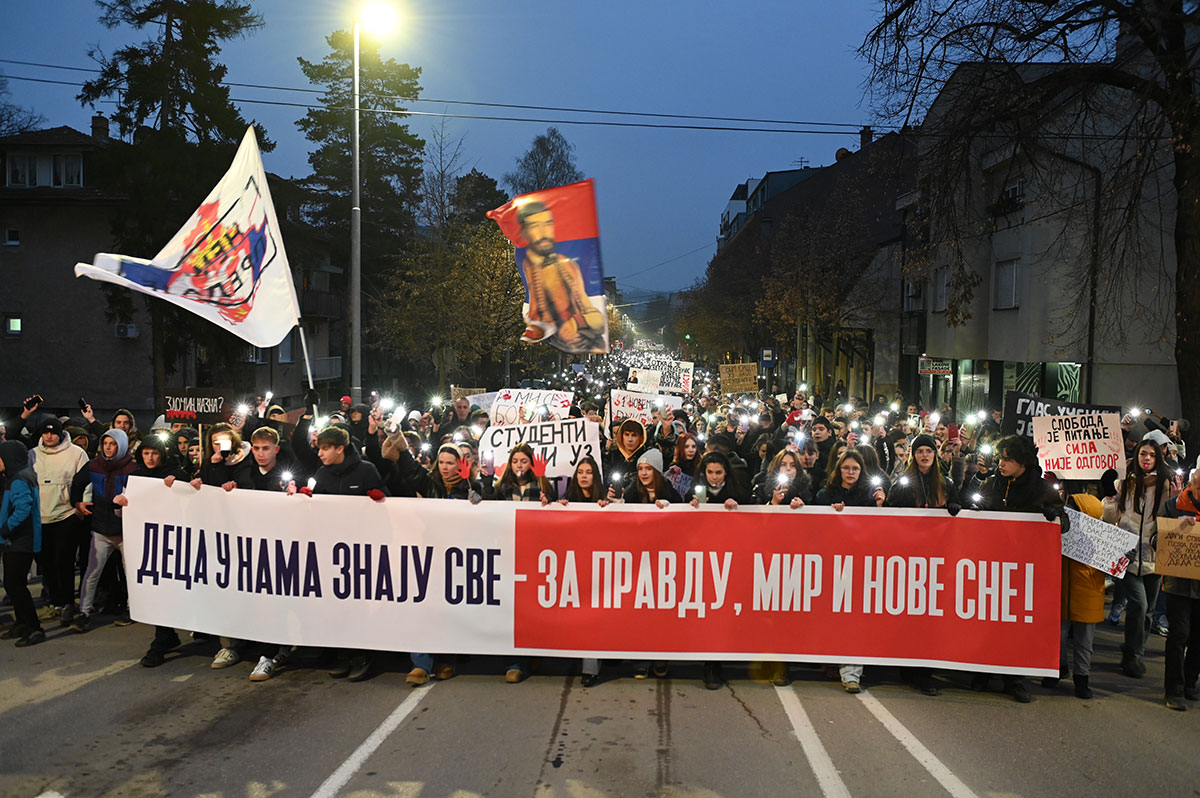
<point>1018,487</point>
<point>784,482</point>
<point>714,484</point>
<point>343,472</point>
<point>923,483</point>
<point>847,485</point>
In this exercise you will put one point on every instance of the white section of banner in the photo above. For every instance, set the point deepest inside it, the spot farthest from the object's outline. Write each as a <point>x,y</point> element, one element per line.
<point>226,264</point>
<point>275,599</point>
<point>640,406</point>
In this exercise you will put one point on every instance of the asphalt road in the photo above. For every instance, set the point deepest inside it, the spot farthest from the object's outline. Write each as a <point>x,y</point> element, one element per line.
<point>80,717</point>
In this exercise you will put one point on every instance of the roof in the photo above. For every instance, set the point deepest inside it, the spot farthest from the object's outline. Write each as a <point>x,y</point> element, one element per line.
<point>56,137</point>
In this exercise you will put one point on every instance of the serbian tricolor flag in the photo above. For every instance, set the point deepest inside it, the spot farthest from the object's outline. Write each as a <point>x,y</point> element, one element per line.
<point>226,264</point>
<point>557,240</point>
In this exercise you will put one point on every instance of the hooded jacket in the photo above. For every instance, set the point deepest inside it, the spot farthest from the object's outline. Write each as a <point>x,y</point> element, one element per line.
<point>107,479</point>
<point>20,516</point>
<point>619,457</point>
<point>56,467</point>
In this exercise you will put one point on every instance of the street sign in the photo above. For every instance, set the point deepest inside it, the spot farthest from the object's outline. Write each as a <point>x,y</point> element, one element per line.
<point>767,357</point>
<point>929,365</point>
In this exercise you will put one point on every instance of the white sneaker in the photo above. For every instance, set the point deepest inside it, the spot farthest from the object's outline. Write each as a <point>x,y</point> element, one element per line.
<point>263,670</point>
<point>226,657</point>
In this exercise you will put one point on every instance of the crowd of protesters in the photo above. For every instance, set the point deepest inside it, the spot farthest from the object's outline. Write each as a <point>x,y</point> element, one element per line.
<point>64,479</point>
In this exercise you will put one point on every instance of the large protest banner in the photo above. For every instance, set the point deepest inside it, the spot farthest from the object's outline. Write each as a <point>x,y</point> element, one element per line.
<point>1081,446</point>
<point>739,377</point>
<point>561,443</point>
<point>639,406</point>
<point>1021,408</point>
<point>675,376</point>
<point>902,587</point>
<point>521,405</point>
<point>1100,545</point>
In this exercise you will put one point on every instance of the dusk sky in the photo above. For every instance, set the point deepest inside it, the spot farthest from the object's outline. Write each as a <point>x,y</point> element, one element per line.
<point>660,192</point>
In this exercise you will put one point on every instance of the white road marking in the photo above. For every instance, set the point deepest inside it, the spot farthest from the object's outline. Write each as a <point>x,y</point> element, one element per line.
<point>818,758</point>
<point>936,768</point>
<point>337,780</point>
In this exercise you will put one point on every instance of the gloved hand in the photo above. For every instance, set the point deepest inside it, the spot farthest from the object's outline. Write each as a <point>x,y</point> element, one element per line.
<point>306,490</point>
<point>376,495</point>
<point>311,397</point>
<point>1051,513</point>
<point>954,508</point>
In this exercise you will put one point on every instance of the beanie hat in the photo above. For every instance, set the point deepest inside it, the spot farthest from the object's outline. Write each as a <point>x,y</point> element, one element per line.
<point>51,424</point>
<point>652,458</point>
<point>1156,436</point>
<point>923,440</point>
<point>795,418</point>
<point>346,400</point>
<point>78,432</point>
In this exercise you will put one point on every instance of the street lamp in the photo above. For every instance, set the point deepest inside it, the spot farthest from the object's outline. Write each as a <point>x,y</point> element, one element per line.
<point>379,19</point>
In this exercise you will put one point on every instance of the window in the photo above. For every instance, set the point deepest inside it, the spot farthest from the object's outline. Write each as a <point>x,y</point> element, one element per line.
<point>1006,284</point>
<point>68,171</point>
<point>914,295</point>
<point>12,323</point>
<point>285,349</point>
<point>12,237</point>
<point>256,354</point>
<point>1014,191</point>
<point>939,291</point>
<point>22,171</point>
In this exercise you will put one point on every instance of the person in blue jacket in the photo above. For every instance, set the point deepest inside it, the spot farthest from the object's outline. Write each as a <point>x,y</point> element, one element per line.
<point>20,539</point>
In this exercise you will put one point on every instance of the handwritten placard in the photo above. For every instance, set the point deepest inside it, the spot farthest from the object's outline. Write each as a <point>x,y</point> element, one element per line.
<point>1178,549</point>
<point>1081,446</point>
<point>1100,545</point>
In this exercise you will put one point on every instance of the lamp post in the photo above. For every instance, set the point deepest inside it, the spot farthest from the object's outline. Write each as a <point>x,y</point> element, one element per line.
<point>380,17</point>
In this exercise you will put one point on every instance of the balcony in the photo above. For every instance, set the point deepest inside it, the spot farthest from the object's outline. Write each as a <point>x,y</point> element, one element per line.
<point>320,304</point>
<point>327,368</point>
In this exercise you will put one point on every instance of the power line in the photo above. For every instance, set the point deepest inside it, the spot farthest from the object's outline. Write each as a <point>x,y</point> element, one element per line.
<point>665,262</point>
<point>851,126</point>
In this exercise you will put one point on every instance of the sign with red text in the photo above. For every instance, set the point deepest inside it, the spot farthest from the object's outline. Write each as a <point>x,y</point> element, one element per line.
<point>562,444</point>
<point>1082,446</point>
<point>639,406</point>
<point>523,405</point>
<point>977,592</point>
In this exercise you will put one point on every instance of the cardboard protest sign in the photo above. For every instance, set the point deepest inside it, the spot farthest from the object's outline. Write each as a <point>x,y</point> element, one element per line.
<point>639,406</point>
<point>1082,446</point>
<point>198,405</point>
<point>458,392</point>
<point>1100,545</point>
<point>561,443</point>
<point>876,586</point>
<point>1178,549</point>
<point>484,401</point>
<point>644,380</point>
<point>521,405</point>
<point>1021,408</point>
<point>739,377</point>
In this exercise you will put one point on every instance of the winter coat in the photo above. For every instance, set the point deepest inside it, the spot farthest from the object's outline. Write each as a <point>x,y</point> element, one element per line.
<point>919,491</point>
<point>20,515</point>
<point>107,479</point>
<point>56,467</point>
<point>248,476</point>
<point>217,474</point>
<point>1184,504</point>
<point>729,490</point>
<point>799,488</point>
<point>1083,585</point>
<point>1142,522</point>
<point>857,496</point>
<point>530,491</point>
<point>633,496</point>
<point>353,476</point>
<point>1028,493</point>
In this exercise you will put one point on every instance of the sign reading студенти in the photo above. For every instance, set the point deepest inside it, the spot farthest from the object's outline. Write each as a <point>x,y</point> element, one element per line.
<point>905,587</point>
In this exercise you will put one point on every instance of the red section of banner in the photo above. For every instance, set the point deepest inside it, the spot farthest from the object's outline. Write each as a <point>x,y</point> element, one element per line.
<point>886,586</point>
<point>573,207</point>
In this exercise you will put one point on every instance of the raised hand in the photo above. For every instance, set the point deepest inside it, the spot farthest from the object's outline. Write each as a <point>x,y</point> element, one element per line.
<point>539,466</point>
<point>464,469</point>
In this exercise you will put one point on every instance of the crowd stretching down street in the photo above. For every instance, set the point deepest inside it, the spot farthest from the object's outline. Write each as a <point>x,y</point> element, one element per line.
<point>64,478</point>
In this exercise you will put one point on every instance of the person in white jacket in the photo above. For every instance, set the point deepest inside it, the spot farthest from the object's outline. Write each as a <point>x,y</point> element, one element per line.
<point>1141,499</point>
<point>56,461</point>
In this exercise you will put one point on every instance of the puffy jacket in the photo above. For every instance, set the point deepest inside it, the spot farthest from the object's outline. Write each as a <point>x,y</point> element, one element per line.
<point>353,476</point>
<point>56,467</point>
<point>20,518</point>
<point>1141,521</point>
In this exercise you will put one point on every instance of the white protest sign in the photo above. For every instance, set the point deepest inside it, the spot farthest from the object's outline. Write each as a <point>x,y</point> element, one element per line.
<point>675,375</point>
<point>522,405</point>
<point>561,443</point>
<point>1095,543</point>
<point>645,380</point>
<point>1082,446</point>
<point>640,406</point>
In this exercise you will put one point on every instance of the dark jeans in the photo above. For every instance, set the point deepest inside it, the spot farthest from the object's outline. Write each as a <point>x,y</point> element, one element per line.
<point>1183,642</point>
<point>1142,592</point>
<point>16,576</point>
<point>165,639</point>
<point>60,546</point>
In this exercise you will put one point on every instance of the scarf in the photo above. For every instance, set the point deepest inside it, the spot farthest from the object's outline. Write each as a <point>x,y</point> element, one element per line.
<point>1187,503</point>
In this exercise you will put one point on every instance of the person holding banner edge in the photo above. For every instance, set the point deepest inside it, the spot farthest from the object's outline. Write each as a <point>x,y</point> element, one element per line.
<point>1183,611</point>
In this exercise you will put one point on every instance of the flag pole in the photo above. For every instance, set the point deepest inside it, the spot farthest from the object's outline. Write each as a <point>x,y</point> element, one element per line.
<point>307,363</point>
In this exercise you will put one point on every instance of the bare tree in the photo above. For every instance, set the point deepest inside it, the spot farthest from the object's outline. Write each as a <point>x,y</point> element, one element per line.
<point>14,118</point>
<point>549,162</point>
<point>1096,99</point>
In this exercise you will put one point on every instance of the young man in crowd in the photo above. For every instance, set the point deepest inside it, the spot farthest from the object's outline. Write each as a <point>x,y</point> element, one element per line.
<point>56,461</point>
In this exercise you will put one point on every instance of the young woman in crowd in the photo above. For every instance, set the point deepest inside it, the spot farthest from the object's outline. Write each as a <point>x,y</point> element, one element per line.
<point>785,482</point>
<point>713,484</point>
<point>846,487</point>
<point>685,465</point>
<point>523,480</point>
<point>1141,500</point>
